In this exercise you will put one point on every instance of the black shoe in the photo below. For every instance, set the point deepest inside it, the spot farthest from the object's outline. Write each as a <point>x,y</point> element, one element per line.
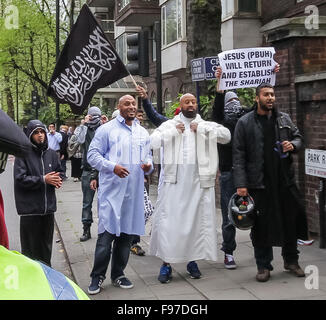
<point>95,285</point>
<point>137,250</point>
<point>87,233</point>
<point>123,282</point>
<point>193,270</point>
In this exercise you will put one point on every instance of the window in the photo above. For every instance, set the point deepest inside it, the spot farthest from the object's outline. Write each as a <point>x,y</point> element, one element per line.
<point>167,100</point>
<point>227,8</point>
<point>153,45</point>
<point>121,47</point>
<point>172,21</point>
<point>248,5</point>
<point>123,3</point>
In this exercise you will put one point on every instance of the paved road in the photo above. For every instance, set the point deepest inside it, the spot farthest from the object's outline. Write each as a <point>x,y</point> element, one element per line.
<point>217,283</point>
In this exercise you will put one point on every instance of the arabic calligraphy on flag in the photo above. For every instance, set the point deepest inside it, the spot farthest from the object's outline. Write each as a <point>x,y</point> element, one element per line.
<point>87,62</point>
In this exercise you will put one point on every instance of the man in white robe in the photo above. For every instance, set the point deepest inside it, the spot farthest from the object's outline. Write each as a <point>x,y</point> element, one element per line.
<point>184,220</point>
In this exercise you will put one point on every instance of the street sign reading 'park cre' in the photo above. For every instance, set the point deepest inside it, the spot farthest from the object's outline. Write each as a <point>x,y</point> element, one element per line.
<point>315,162</point>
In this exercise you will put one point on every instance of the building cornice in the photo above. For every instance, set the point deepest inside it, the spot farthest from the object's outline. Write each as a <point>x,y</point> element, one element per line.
<point>280,29</point>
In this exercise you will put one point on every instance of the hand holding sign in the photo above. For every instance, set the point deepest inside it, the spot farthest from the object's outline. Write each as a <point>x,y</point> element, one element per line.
<point>249,67</point>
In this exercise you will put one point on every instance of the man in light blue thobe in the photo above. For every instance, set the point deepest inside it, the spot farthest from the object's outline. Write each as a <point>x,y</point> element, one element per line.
<point>120,151</point>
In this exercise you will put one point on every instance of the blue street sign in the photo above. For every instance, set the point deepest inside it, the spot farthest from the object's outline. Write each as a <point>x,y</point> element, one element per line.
<point>211,64</point>
<point>197,69</point>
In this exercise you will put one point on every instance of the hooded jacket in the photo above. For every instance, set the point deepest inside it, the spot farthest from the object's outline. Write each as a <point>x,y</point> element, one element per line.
<point>32,195</point>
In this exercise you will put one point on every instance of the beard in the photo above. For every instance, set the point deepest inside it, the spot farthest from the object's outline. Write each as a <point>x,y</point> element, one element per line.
<point>189,114</point>
<point>42,145</point>
<point>265,107</point>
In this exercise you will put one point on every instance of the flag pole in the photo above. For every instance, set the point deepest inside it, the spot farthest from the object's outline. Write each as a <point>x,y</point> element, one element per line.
<point>133,80</point>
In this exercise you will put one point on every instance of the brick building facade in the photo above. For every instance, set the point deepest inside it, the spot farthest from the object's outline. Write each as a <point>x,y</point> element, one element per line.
<point>301,83</point>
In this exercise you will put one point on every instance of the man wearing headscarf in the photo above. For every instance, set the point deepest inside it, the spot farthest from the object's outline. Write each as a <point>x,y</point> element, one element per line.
<point>85,134</point>
<point>227,110</point>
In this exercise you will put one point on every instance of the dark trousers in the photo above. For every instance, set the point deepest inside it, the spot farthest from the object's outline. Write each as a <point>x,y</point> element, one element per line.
<point>264,255</point>
<point>120,254</point>
<point>135,239</point>
<point>64,166</point>
<point>227,189</point>
<point>88,196</point>
<point>36,237</point>
<point>76,171</point>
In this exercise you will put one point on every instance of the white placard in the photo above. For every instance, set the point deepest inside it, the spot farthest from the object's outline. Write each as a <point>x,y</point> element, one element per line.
<point>245,68</point>
<point>315,162</point>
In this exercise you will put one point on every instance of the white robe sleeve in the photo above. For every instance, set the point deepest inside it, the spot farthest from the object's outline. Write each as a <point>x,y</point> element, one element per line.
<point>215,130</point>
<point>163,134</point>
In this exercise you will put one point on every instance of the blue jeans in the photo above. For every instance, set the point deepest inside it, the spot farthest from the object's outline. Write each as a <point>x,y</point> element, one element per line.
<point>120,254</point>
<point>88,196</point>
<point>227,189</point>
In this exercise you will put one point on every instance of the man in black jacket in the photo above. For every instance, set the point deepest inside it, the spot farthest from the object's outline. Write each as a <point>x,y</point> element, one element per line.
<point>227,110</point>
<point>264,140</point>
<point>35,179</point>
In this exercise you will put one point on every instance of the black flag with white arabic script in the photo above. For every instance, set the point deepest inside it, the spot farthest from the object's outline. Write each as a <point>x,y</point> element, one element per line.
<point>87,62</point>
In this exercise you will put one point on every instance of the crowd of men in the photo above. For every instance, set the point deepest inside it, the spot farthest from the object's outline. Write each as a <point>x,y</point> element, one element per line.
<point>250,149</point>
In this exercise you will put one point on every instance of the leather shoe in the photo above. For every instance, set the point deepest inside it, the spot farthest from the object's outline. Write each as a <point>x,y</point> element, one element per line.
<point>295,269</point>
<point>86,234</point>
<point>263,275</point>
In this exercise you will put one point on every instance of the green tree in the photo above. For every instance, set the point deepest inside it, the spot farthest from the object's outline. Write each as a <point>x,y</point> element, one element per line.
<point>203,35</point>
<point>30,49</point>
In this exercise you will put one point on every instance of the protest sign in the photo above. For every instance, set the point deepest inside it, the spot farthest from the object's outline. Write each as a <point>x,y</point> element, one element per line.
<point>197,69</point>
<point>249,67</point>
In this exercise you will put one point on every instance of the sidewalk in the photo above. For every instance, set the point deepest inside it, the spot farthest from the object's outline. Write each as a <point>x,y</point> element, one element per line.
<point>217,283</point>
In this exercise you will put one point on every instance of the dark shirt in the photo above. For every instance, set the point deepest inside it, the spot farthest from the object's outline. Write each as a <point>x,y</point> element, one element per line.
<point>218,115</point>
